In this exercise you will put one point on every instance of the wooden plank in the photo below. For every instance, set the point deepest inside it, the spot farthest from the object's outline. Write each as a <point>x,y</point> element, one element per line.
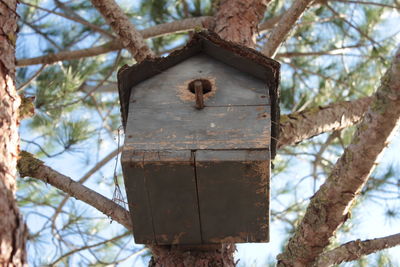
<point>170,180</point>
<point>173,128</point>
<point>229,85</point>
<point>233,191</point>
<point>138,201</point>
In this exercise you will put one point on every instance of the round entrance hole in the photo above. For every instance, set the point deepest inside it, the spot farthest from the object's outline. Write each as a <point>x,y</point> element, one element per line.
<point>206,84</point>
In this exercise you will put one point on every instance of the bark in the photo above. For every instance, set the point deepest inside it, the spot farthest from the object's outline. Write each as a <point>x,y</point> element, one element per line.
<point>32,167</point>
<point>130,38</point>
<point>13,231</point>
<point>355,249</point>
<point>329,208</point>
<point>237,21</point>
<point>188,256</point>
<point>299,126</point>
<point>285,25</point>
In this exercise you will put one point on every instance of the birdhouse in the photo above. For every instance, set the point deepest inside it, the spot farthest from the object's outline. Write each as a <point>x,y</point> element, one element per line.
<point>200,131</point>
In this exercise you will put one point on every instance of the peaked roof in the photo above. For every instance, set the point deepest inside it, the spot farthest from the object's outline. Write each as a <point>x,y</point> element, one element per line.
<point>240,57</point>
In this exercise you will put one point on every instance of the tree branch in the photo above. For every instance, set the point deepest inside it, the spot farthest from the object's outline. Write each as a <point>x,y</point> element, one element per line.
<point>130,38</point>
<point>84,178</point>
<point>151,32</point>
<point>329,207</point>
<point>285,25</point>
<point>366,3</point>
<point>299,126</point>
<point>335,51</point>
<point>355,249</point>
<point>32,167</point>
<point>75,18</point>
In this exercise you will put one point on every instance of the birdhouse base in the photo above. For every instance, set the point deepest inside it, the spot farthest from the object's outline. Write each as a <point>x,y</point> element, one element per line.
<point>198,197</point>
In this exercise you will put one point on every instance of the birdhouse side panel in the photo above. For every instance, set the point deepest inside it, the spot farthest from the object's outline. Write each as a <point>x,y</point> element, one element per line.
<point>233,191</point>
<point>138,199</point>
<point>168,179</point>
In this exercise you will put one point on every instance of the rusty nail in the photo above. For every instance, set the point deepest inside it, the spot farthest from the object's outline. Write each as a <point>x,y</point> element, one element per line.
<point>198,90</point>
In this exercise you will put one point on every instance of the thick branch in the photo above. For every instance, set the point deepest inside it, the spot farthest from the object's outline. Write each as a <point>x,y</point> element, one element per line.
<point>237,21</point>
<point>32,167</point>
<point>84,178</point>
<point>155,31</point>
<point>355,249</point>
<point>285,25</point>
<point>329,207</point>
<point>299,126</point>
<point>130,38</point>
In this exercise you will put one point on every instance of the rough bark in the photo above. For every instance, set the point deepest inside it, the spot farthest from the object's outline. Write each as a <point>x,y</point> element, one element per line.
<point>237,21</point>
<point>188,256</point>
<point>285,25</point>
<point>355,249</point>
<point>130,38</point>
<point>32,167</point>
<point>329,208</point>
<point>13,231</point>
<point>300,126</point>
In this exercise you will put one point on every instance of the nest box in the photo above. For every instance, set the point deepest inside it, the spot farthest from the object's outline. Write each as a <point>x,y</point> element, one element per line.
<point>200,130</point>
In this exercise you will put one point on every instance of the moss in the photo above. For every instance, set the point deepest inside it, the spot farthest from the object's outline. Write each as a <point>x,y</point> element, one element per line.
<point>27,164</point>
<point>12,37</point>
<point>348,156</point>
<point>27,107</point>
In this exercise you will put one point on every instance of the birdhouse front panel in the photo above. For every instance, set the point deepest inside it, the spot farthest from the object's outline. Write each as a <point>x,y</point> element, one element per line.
<point>196,158</point>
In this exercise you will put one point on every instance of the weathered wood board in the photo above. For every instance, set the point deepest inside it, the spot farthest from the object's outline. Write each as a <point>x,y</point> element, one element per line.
<point>198,197</point>
<point>233,191</point>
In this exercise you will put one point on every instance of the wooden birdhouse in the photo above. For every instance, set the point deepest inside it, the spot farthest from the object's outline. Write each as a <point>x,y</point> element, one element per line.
<point>200,130</point>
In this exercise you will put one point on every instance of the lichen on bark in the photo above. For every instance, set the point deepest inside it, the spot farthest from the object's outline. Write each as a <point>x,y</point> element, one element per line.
<point>27,164</point>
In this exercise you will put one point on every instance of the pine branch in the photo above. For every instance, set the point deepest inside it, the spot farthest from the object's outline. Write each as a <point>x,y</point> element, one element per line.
<point>130,38</point>
<point>329,208</point>
<point>303,125</point>
<point>84,178</point>
<point>285,25</point>
<point>356,249</point>
<point>366,3</point>
<point>333,52</point>
<point>151,32</point>
<point>71,252</point>
<point>75,19</point>
<point>32,167</point>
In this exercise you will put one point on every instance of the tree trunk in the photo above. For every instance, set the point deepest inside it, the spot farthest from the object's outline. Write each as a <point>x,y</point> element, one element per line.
<point>237,21</point>
<point>188,256</point>
<point>12,228</point>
